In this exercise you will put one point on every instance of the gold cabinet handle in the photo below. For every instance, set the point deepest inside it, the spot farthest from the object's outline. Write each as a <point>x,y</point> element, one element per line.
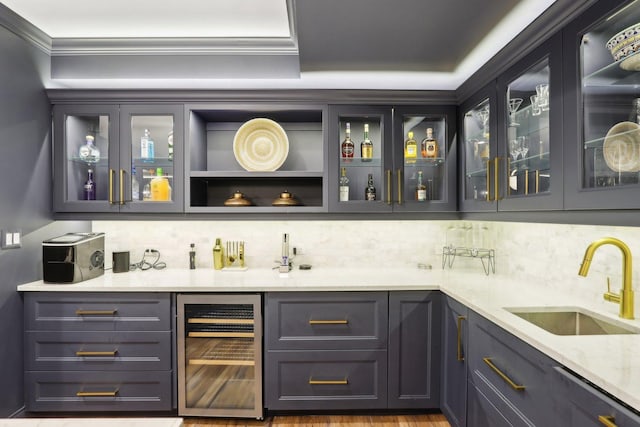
<point>82,353</point>
<point>111,172</point>
<point>607,420</point>
<point>81,312</point>
<point>460,356</point>
<point>496,177</point>
<point>113,393</point>
<point>122,186</point>
<point>329,322</point>
<point>344,381</point>
<point>399,186</point>
<point>488,180</point>
<point>388,186</point>
<point>537,181</point>
<point>502,375</point>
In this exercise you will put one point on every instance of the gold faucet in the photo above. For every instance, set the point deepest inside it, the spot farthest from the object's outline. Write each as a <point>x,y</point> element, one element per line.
<point>625,297</point>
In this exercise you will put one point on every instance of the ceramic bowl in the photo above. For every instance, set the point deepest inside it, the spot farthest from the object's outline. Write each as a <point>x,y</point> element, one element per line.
<point>621,147</point>
<point>261,145</point>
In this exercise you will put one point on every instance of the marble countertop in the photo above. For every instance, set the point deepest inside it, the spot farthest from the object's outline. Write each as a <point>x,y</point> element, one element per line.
<point>94,422</point>
<point>611,362</point>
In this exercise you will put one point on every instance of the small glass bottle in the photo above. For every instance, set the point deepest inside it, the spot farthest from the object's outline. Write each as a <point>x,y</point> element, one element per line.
<point>421,189</point>
<point>429,146</point>
<point>366,146</point>
<point>344,185</point>
<point>170,145</point>
<point>147,149</point>
<point>370,190</point>
<point>347,147</point>
<point>88,152</point>
<point>146,192</point>
<point>135,185</point>
<point>89,188</point>
<point>192,257</point>
<point>410,148</point>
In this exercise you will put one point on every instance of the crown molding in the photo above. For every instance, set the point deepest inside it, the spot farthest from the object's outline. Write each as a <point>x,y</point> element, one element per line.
<point>24,29</point>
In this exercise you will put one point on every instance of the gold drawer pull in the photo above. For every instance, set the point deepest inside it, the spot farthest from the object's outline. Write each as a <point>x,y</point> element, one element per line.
<point>113,393</point>
<point>328,382</point>
<point>81,353</point>
<point>81,312</point>
<point>607,420</point>
<point>460,356</point>
<point>329,322</point>
<point>502,375</point>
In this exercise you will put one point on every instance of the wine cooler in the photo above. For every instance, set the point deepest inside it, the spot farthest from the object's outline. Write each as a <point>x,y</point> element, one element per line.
<point>220,355</point>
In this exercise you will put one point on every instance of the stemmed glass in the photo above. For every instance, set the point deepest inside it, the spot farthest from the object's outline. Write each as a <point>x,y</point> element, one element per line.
<point>514,150</point>
<point>514,104</point>
<point>523,148</point>
<point>484,117</point>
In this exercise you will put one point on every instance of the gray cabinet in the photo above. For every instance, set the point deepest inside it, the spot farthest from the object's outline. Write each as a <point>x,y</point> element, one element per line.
<point>510,382</point>
<point>585,406</point>
<point>414,349</point>
<point>98,352</point>
<point>455,337</point>
<point>120,171</point>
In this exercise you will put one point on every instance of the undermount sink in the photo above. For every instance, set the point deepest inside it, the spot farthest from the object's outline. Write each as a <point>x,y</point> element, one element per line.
<point>572,321</point>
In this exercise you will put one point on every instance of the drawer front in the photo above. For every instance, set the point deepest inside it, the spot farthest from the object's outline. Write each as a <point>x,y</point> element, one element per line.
<point>71,311</point>
<point>514,370</point>
<point>92,351</point>
<point>326,380</point>
<point>98,391</point>
<point>484,410</point>
<point>585,404</point>
<point>326,320</point>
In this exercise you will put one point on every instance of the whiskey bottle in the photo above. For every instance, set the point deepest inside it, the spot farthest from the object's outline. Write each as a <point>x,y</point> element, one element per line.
<point>344,185</point>
<point>88,152</point>
<point>421,189</point>
<point>429,146</point>
<point>366,146</point>
<point>347,147</point>
<point>370,190</point>
<point>89,188</point>
<point>410,148</point>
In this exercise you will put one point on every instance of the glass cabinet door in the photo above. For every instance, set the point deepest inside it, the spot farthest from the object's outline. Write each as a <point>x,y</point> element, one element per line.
<point>361,165</point>
<point>85,150</point>
<point>605,167</point>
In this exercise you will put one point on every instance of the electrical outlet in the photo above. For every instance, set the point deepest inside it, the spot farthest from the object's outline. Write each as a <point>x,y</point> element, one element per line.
<point>10,239</point>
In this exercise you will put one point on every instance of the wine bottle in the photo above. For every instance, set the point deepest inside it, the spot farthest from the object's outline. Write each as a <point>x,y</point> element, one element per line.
<point>344,185</point>
<point>90,187</point>
<point>429,146</point>
<point>347,147</point>
<point>366,146</point>
<point>370,190</point>
<point>421,189</point>
<point>410,148</point>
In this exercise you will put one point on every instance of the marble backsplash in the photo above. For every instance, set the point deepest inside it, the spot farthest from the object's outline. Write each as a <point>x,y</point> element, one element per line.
<point>550,254</point>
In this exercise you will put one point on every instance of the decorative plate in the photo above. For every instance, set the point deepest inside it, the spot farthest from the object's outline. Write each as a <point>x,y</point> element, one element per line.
<point>621,148</point>
<point>261,145</point>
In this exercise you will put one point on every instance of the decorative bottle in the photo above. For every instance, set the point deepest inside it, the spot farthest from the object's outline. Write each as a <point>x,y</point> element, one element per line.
<point>347,147</point>
<point>429,146</point>
<point>370,190</point>
<point>170,145</point>
<point>88,152</point>
<point>366,146</point>
<point>147,151</point>
<point>192,257</point>
<point>410,148</point>
<point>135,185</point>
<point>344,185</point>
<point>89,186</point>
<point>159,187</point>
<point>421,189</point>
<point>218,255</point>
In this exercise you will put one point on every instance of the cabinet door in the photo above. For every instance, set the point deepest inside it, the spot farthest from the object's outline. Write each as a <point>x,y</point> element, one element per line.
<point>414,350</point>
<point>454,367</point>
<point>425,159</point>
<point>85,139</point>
<point>479,162</point>
<point>358,168</point>
<point>530,131</point>
<point>601,109</point>
<point>151,158</point>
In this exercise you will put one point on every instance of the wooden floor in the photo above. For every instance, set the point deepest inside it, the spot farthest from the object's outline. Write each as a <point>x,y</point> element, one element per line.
<point>427,420</point>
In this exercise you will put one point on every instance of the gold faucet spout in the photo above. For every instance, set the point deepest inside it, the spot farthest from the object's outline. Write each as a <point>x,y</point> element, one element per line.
<point>625,298</point>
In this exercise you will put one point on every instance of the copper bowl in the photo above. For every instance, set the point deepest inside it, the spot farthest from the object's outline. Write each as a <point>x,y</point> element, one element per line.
<point>285,199</point>
<point>237,199</point>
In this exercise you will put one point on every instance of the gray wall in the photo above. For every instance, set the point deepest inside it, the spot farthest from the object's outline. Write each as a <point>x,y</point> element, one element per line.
<point>25,197</point>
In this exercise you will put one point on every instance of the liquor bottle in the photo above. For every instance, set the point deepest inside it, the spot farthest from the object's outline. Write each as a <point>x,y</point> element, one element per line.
<point>218,255</point>
<point>421,189</point>
<point>159,187</point>
<point>90,186</point>
<point>370,190</point>
<point>135,185</point>
<point>347,147</point>
<point>410,148</point>
<point>147,149</point>
<point>429,145</point>
<point>366,146</point>
<point>170,145</point>
<point>89,152</point>
<point>192,257</point>
<point>344,185</point>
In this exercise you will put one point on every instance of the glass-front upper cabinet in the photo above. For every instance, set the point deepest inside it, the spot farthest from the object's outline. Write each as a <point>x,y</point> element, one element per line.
<point>603,158</point>
<point>110,158</point>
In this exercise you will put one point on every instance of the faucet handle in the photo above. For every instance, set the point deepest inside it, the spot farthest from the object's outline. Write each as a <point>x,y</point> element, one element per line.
<point>611,296</point>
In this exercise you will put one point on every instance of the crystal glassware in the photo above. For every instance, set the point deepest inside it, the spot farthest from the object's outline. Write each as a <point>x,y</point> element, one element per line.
<point>514,104</point>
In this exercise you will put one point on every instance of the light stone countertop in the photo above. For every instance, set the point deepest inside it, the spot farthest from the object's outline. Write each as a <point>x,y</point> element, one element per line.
<point>93,422</point>
<point>611,362</point>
